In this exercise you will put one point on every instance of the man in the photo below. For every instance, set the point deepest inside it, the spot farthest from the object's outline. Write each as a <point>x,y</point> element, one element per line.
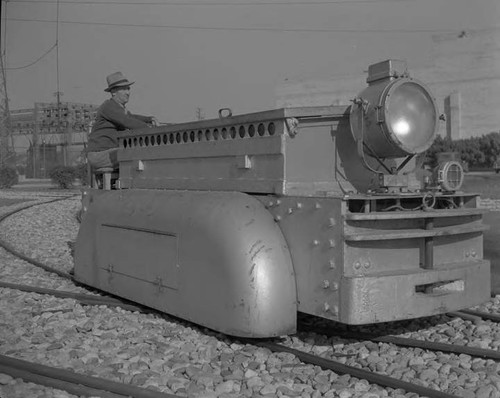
<point>111,117</point>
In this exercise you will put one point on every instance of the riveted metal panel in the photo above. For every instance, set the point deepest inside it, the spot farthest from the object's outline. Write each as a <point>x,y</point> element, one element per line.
<point>312,228</point>
<point>403,261</point>
<point>393,296</point>
<point>392,241</point>
<point>215,258</point>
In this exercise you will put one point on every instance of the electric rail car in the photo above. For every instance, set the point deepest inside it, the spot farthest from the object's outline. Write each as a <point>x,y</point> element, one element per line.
<point>239,223</point>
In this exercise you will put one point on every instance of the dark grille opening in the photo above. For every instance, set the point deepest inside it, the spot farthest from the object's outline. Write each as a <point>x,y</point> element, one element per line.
<point>410,203</point>
<point>444,287</point>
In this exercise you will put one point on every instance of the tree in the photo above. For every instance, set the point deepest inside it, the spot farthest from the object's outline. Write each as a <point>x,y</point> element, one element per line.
<point>475,151</point>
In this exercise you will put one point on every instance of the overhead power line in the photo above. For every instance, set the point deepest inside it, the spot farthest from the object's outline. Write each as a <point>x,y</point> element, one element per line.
<point>36,60</point>
<point>217,3</point>
<point>264,29</point>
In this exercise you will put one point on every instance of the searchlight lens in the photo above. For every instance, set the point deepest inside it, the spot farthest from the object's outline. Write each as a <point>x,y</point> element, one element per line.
<point>401,127</point>
<point>394,118</point>
<point>411,116</point>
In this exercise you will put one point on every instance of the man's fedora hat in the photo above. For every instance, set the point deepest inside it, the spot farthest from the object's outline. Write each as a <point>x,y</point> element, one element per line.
<point>117,79</point>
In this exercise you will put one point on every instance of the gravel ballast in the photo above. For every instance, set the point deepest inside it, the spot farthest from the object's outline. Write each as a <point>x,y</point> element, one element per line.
<point>169,355</point>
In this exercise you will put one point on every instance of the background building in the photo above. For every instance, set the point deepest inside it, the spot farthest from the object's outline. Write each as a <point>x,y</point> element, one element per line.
<point>464,77</point>
<point>50,134</point>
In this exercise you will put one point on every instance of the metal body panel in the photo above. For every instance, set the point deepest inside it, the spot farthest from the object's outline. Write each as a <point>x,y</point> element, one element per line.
<point>313,230</point>
<point>310,160</point>
<point>328,231</point>
<point>207,165</point>
<point>384,298</point>
<point>395,241</point>
<point>284,152</point>
<point>360,268</point>
<point>118,241</point>
<point>215,258</point>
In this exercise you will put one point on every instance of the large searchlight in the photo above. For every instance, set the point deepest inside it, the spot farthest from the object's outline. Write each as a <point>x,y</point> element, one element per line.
<point>396,116</point>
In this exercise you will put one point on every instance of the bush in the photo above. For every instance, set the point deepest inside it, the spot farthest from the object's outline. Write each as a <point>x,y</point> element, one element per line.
<point>63,176</point>
<point>8,177</point>
<point>81,173</point>
<point>477,152</point>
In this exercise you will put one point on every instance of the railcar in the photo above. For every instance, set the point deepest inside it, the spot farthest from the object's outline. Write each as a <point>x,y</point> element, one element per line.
<point>240,222</point>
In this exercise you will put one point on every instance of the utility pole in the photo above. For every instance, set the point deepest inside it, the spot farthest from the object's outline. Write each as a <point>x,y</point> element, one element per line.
<point>35,145</point>
<point>61,134</point>
<point>4,108</point>
<point>199,114</point>
<point>4,117</point>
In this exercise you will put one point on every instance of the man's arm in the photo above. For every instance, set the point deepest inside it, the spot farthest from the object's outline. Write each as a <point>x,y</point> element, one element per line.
<point>145,119</point>
<point>114,113</point>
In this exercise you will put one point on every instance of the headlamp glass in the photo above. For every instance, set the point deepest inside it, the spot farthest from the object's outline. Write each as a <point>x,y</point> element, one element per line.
<point>411,116</point>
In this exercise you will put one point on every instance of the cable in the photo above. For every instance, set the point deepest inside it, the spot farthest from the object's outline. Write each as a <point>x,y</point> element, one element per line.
<point>4,24</point>
<point>217,3</point>
<point>264,29</point>
<point>34,62</point>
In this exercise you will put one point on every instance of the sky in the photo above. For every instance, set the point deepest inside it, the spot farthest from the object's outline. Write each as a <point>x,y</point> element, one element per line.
<point>209,54</point>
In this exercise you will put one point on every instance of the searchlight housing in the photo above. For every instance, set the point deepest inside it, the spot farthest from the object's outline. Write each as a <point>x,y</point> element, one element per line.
<point>395,116</point>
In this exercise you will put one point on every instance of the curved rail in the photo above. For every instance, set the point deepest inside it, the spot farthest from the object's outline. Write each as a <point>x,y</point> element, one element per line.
<point>481,314</point>
<point>20,255</point>
<point>372,377</point>
<point>10,365</point>
<point>413,343</point>
<point>72,382</point>
<point>84,299</point>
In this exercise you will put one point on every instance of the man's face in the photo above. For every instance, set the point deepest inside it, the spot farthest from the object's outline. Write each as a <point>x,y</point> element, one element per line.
<point>121,94</point>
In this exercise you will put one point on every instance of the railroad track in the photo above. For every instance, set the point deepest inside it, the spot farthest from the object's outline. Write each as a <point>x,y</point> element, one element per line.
<point>93,383</point>
<point>66,378</point>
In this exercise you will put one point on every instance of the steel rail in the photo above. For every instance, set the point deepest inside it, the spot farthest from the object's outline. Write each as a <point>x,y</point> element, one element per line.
<point>435,346</point>
<point>85,299</point>
<point>482,314</point>
<point>22,256</point>
<point>372,377</point>
<point>337,367</point>
<point>382,380</point>
<point>415,343</point>
<point>74,382</point>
